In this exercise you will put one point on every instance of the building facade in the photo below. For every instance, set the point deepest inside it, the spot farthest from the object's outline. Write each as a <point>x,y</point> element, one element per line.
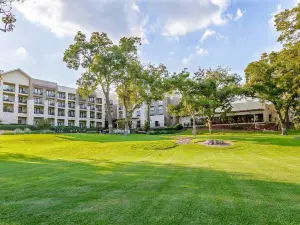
<point>25,100</point>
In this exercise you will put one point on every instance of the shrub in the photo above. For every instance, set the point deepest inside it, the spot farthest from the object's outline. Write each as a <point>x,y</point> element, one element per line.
<point>44,124</point>
<point>27,131</point>
<point>178,126</point>
<point>70,129</point>
<point>18,131</point>
<point>47,131</point>
<point>12,127</point>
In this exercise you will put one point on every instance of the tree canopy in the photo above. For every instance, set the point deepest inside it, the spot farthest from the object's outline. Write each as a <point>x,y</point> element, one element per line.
<point>7,17</point>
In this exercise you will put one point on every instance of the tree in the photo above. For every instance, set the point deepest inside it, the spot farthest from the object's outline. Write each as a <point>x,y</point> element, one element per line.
<point>97,58</point>
<point>182,84</point>
<point>128,82</point>
<point>213,89</point>
<point>153,86</point>
<point>275,78</point>
<point>288,23</point>
<point>7,17</point>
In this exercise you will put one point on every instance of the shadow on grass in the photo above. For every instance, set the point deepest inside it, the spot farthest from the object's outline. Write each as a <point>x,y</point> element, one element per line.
<point>37,190</point>
<point>112,137</point>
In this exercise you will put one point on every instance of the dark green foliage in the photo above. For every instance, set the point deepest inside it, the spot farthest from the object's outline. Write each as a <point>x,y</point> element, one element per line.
<point>16,126</point>
<point>44,124</point>
<point>178,126</point>
<point>69,129</point>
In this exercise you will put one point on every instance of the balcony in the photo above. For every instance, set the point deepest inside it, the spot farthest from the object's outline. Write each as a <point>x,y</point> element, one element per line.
<point>61,114</point>
<point>22,101</point>
<point>38,103</point>
<point>71,115</point>
<point>51,104</point>
<point>71,106</point>
<point>38,92</point>
<point>8,100</point>
<point>61,97</point>
<point>9,110</point>
<point>83,116</point>
<point>22,111</point>
<point>83,107</point>
<point>49,95</point>
<point>9,89</point>
<point>61,105</point>
<point>51,113</point>
<point>39,112</point>
<point>23,91</point>
<point>92,108</point>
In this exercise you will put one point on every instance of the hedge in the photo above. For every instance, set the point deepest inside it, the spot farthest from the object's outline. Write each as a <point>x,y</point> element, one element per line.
<point>16,126</point>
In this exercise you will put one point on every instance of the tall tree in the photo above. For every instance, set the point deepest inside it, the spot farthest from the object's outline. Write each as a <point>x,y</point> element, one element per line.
<point>288,24</point>
<point>153,86</point>
<point>182,83</point>
<point>213,89</point>
<point>128,82</point>
<point>7,17</point>
<point>275,78</point>
<point>97,57</point>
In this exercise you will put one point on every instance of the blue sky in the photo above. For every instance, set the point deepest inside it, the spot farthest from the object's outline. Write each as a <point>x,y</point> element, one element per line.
<point>180,34</point>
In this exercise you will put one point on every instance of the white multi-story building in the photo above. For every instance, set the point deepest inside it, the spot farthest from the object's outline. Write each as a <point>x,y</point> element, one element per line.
<point>25,100</point>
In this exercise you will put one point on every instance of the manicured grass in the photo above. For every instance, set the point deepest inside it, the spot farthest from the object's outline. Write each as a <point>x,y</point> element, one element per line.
<point>144,179</point>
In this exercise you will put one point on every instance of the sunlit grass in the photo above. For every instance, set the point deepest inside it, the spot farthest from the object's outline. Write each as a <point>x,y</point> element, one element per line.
<point>148,179</point>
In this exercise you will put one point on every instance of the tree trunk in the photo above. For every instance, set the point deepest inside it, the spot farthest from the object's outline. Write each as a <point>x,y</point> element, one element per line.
<point>148,116</point>
<point>108,113</point>
<point>127,120</point>
<point>209,125</point>
<point>194,125</point>
<point>282,123</point>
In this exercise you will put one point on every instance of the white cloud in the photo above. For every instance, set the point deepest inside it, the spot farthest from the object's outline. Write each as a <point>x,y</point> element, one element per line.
<point>66,17</point>
<point>272,20</point>
<point>239,14</point>
<point>187,60</point>
<point>135,7</point>
<point>207,34</point>
<point>172,53</point>
<point>201,51</point>
<point>22,52</point>
<point>187,16</point>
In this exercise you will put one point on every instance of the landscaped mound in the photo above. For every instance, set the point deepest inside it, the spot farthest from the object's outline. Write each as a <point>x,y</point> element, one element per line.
<point>154,145</point>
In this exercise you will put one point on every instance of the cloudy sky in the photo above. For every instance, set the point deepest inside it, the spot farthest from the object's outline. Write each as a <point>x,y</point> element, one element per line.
<point>178,33</point>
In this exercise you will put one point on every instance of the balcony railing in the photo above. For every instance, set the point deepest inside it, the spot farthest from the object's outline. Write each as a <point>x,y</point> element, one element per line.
<point>71,115</point>
<point>51,103</point>
<point>9,89</point>
<point>50,95</point>
<point>38,112</point>
<point>38,103</point>
<point>51,113</point>
<point>61,114</point>
<point>61,105</point>
<point>8,100</point>
<point>8,110</point>
<point>83,116</point>
<point>38,93</point>
<point>83,107</point>
<point>22,91</point>
<point>72,106</point>
<point>22,101</point>
<point>22,111</point>
<point>61,96</point>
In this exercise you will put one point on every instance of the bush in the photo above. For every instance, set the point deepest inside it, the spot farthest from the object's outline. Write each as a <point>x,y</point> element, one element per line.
<point>70,129</point>
<point>178,126</point>
<point>12,127</point>
<point>18,131</point>
<point>27,131</point>
<point>44,124</point>
<point>47,132</point>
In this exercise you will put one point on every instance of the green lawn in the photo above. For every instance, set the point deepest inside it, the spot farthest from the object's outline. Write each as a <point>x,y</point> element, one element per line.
<point>144,179</point>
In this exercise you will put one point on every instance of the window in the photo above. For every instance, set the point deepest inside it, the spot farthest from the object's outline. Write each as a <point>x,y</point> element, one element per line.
<point>82,106</point>
<point>92,115</point>
<point>99,116</point>
<point>138,113</point>
<point>99,100</point>
<point>71,105</point>
<point>22,100</point>
<point>61,112</point>
<point>23,90</point>
<point>71,123</point>
<point>8,98</point>
<point>7,87</point>
<point>38,101</point>
<point>91,99</point>
<point>38,111</point>
<point>111,102</point>
<point>92,107</point>
<point>92,124</point>
<point>37,91</point>
<point>51,102</point>
<point>22,109</point>
<point>99,108</point>
<point>151,112</point>
<point>71,97</point>
<point>71,113</point>
<point>50,93</point>
<point>82,114</point>
<point>82,124</point>
<point>8,108</point>
<point>51,111</point>
<point>99,125</point>
<point>160,103</point>
<point>61,104</point>
<point>61,95</point>
<point>60,122</point>
<point>160,110</point>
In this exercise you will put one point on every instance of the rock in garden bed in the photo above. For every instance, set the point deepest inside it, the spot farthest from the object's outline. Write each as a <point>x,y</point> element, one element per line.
<point>215,143</point>
<point>184,141</point>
